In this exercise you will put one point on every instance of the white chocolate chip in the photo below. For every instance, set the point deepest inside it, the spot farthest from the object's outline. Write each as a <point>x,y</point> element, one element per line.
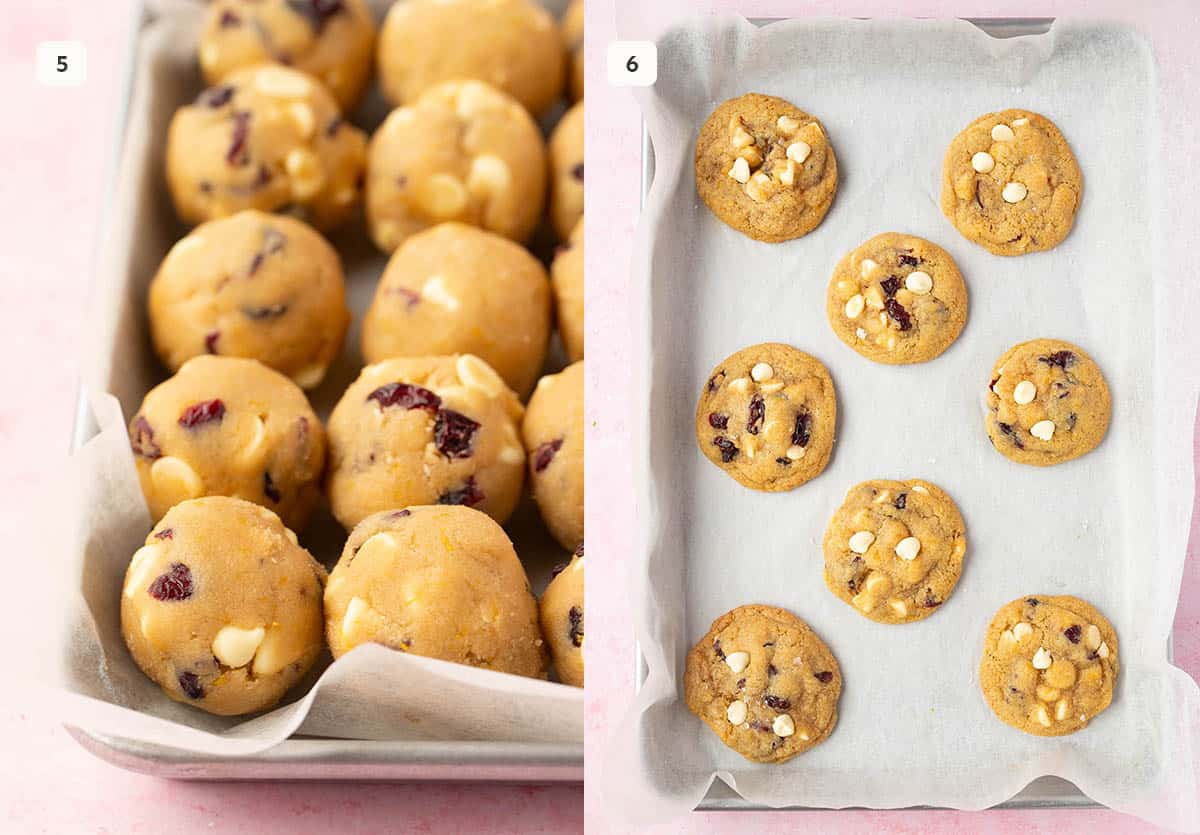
<point>740,171</point>
<point>854,306</point>
<point>1043,717</point>
<point>771,388</point>
<point>1042,659</point>
<point>1002,133</point>
<point>899,607</point>
<point>1091,638</point>
<point>302,115</point>
<point>736,713</point>
<point>741,385</point>
<point>512,455</point>
<point>1007,639</point>
<point>1020,122</point>
<point>1047,694</point>
<point>867,267</point>
<point>291,536</point>
<point>1024,392</point>
<point>874,298</point>
<point>356,610</point>
<point>860,333</point>
<point>908,548</point>
<point>919,282</point>
<point>477,374</point>
<point>737,661</point>
<point>787,124</point>
<point>761,372</point>
<point>799,151</point>
<point>210,54</point>
<point>1102,650</point>
<point>983,162</point>
<point>860,541</point>
<point>277,651</point>
<point>304,169</point>
<point>1014,192</point>
<point>434,290</point>
<point>919,488</point>
<point>740,138</point>
<point>756,189</point>
<point>488,175</point>
<point>234,647</point>
<point>309,376</point>
<point>787,175</point>
<point>140,568</point>
<point>444,195</point>
<point>783,725</point>
<point>258,436</point>
<point>281,82</point>
<point>1062,709</point>
<point>795,452</point>
<point>1021,630</point>
<point>1043,429</point>
<point>175,480</point>
<point>383,541</point>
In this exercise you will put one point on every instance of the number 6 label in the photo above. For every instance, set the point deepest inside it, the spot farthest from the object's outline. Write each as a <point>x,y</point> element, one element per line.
<point>61,63</point>
<point>632,63</point>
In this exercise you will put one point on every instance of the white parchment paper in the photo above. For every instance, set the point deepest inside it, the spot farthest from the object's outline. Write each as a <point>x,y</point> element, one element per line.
<point>372,693</point>
<point>1109,527</point>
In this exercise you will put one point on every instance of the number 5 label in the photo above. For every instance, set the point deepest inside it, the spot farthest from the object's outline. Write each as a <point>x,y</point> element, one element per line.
<point>632,63</point>
<point>62,63</point>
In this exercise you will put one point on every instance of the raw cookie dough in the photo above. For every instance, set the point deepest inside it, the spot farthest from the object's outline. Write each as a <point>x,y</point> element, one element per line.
<point>511,44</point>
<point>566,277</point>
<point>1011,184</point>
<point>764,682</point>
<point>458,289</point>
<point>1047,403</point>
<point>425,430</point>
<point>221,607</point>
<point>897,299</point>
<point>440,582</point>
<point>463,151</point>
<point>894,549</point>
<point>553,435</point>
<point>765,167</point>
<point>566,172</point>
<point>767,416</point>
<point>1049,664</point>
<point>561,613</point>
<point>254,285</point>
<point>268,138</point>
<point>572,30</point>
<point>225,426</point>
<point>331,40</point>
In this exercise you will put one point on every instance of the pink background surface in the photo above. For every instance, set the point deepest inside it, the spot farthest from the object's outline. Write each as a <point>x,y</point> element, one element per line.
<point>612,204</point>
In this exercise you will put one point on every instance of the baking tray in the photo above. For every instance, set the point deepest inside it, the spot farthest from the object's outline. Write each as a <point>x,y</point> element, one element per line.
<point>1046,792</point>
<point>305,757</point>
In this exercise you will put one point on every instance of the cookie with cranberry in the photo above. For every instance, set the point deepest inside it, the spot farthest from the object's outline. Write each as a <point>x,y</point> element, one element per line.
<point>1047,402</point>
<point>562,620</point>
<point>764,682</point>
<point>1049,665</point>
<point>765,167</point>
<point>553,434</point>
<point>566,172</point>
<point>767,416</point>
<point>897,299</point>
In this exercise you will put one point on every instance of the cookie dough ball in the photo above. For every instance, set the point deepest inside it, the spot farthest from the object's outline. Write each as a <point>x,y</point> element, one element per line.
<point>566,172</point>
<point>553,435</point>
<point>224,426</point>
<point>1049,664</point>
<point>767,416</point>
<point>765,168</point>
<point>222,608</point>
<point>463,151</point>
<point>1011,184</point>
<point>894,549</point>
<point>897,299</point>
<point>331,40</point>
<point>457,289</point>
<point>425,430</point>
<point>566,278</point>
<point>572,31</point>
<point>267,138</point>
<point>440,582</point>
<point>254,285</point>
<point>765,684</point>
<point>561,613</point>
<point>514,45</point>
<point>1047,403</point>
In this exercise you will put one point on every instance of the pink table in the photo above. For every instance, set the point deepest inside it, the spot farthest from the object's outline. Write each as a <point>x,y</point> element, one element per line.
<point>612,203</point>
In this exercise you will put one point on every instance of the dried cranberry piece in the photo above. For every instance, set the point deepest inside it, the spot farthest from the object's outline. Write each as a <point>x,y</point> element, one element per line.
<point>890,285</point>
<point>454,434</point>
<point>558,569</point>
<point>898,313</point>
<point>901,501</point>
<point>229,19</point>
<point>1032,601</point>
<point>579,551</point>
<point>760,725</point>
<point>1011,432</point>
<point>771,671</point>
<point>165,533</point>
<point>210,341</point>
<point>1062,359</point>
<point>269,488</point>
<point>215,97</point>
<point>236,155</point>
<point>273,311</point>
<point>400,514</point>
<point>545,453</point>
<point>1072,419</point>
<point>802,431</point>
<point>908,260</point>
<point>335,124</point>
<point>1073,632</point>
<point>741,683</point>
<point>142,439</point>
<point>728,449</point>
<point>783,462</point>
<point>175,585</point>
<point>411,297</point>
<point>718,421</point>
<point>713,382</point>
<point>575,617</point>
<point>469,494</point>
<point>577,172</point>
<point>758,411</point>
<point>405,396</point>
<point>189,683</point>
<point>316,12</point>
<point>776,702</point>
<point>825,676</point>
<point>930,601</point>
<point>717,649</point>
<point>201,413</point>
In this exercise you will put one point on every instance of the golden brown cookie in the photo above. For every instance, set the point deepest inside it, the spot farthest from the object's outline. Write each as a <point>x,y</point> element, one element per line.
<point>561,613</point>
<point>765,167</point>
<point>1047,403</point>
<point>897,299</point>
<point>566,172</point>
<point>764,682</point>
<point>1011,184</point>
<point>894,549</point>
<point>552,431</point>
<point>566,279</point>
<point>1049,664</point>
<point>767,417</point>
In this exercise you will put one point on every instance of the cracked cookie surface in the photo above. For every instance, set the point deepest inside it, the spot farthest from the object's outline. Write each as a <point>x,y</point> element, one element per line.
<point>1011,184</point>
<point>1049,664</point>
<point>767,417</point>
<point>765,167</point>
<point>1047,403</point>
<point>897,299</point>
<point>764,682</point>
<point>894,549</point>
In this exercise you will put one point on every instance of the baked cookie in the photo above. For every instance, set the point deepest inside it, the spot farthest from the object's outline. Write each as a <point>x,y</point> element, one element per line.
<point>439,582</point>
<point>765,167</point>
<point>897,299</point>
<point>767,416</point>
<point>268,138</point>
<point>1047,403</point>
<point>463,151</point>
<point>425,430</point>
<point>764,682</point>
<point>562,619</point>
<point>331,40</point>
<point>894,549</point>
<point>1049,664</point>
<point>514,45</point>
<point>553,434</point>
<point>566,278</point>
<point>566,172</point>
<point>226,426</point>
<point>221,607</point>
<point>457,289</point>
<point>1011,184</point>
<point>254,285</point>
<point>572,31</point>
